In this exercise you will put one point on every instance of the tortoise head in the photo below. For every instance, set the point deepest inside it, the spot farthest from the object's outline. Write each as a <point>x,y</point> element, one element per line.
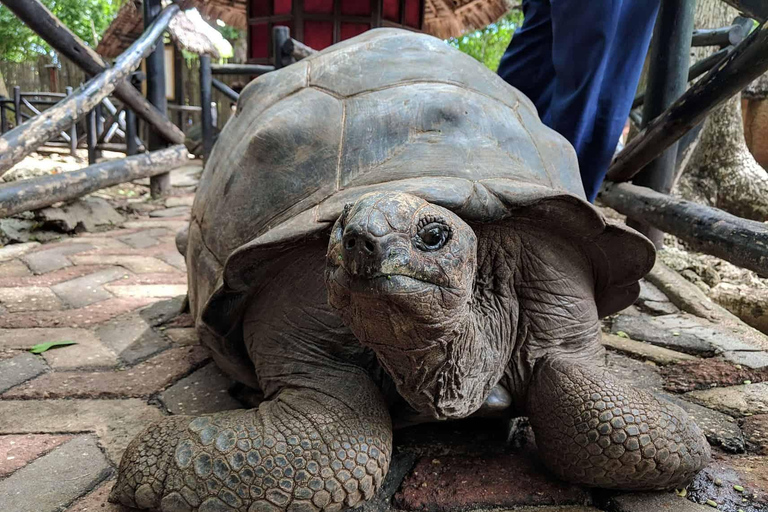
<point>400,272</point>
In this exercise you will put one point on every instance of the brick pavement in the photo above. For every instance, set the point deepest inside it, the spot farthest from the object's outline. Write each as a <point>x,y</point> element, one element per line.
<point>72,410</point>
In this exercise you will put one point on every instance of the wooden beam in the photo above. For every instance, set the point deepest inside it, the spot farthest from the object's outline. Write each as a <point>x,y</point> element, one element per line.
<point>241,69</point>
<point>757,9</point>
<point>37,17</point>
<point>742,242</point>
<point>35,193</point>
<point>22,140</point>
<point>225,89</point>
<point>745,63</point>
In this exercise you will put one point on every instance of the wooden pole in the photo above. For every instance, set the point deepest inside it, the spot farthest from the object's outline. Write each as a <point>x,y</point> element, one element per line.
<point>225,89</point>
<point>159,185</point>
<point>241,69</point>
<point>37,17</point>
<point>35,193</point>
<point>667,80</point>
<point>91,131</point>
<point>746,62</point>
<point>131,148</point>
<point>72,131</point>
<point>22,140</point>
<point>3,117</point>
<point>17,105</point>
<point>740,241</point>
<point>280,37</point>
<point>178,83</point>
<point>205,105</point>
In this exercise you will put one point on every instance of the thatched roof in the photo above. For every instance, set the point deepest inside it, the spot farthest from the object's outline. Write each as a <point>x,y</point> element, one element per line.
<point>129,24</point>
<point>451,18</point>
<point>442,18</point>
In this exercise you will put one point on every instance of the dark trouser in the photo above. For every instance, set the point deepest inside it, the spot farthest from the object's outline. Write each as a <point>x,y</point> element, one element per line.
<point>579,62</point>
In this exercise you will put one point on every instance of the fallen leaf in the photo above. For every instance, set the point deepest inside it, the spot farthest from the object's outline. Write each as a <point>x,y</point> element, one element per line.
<point>43,347</point>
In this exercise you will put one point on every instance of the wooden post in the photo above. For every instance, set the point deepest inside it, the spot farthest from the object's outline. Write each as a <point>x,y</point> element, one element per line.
<point>745,63</point>
<point>205,105</point>
<point>72,131</point>
<point>37,17</point>
<point>742,242</point>
<point>131,133</point>
<point>225,89</point>
<point>178,83</point>
<point>160,184</point>
<point>241,69</point>
<point>17,105</point>
<point>22,140</point>
<point>281,36</point>
<point>667,80</point>
<point>3,116</point>
<point>35,193</point>
<point>91,131</point>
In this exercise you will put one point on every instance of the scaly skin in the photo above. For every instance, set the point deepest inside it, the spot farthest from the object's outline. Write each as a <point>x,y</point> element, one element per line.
<point>595,431</point>
<point>301,452</point>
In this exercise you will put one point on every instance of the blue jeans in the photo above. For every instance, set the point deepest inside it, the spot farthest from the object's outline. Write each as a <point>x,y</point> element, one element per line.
<point>580,62</point>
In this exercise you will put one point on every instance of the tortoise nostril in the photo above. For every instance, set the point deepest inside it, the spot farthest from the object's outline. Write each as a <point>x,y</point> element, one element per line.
<point>350,243</point>
<point>369,246</point>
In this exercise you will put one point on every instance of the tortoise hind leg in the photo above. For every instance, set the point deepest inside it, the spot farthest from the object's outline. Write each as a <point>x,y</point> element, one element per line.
<point>595,431</point>
<point>303,451</point>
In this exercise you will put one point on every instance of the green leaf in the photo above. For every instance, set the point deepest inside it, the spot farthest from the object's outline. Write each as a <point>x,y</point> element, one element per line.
<point>622,334</point>
<point>43,347</point>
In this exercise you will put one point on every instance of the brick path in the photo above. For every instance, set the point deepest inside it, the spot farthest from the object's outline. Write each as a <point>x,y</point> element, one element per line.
<point>67,415</point>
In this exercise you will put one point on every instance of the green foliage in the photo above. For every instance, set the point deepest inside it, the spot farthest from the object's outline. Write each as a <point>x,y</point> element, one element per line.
<point>18,43</point>
<point>44,347</point>
<point>488,44</point>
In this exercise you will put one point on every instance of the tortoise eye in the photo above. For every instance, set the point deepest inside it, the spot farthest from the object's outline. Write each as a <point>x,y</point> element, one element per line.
<point>433,236</point>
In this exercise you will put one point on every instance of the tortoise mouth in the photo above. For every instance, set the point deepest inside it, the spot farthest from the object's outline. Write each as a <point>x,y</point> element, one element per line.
<point>379,284</point>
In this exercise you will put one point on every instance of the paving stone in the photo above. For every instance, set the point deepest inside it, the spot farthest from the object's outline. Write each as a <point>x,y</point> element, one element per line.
<point>755,430</point>
<point>642,374</point>
<point>721,430</point>
<point>12,251</point>
<point>89,315</point>
<point>142,380</point>
<point>644,350</point>
<point>19,369</point>
<point>174,259</point>
<point>137,264</point>
<point>131,338</point>
<point>14,268</point>
<point>56,479</point>
<point>451,483</point>
<point>16,451</point>
<point>653,502</point>
<point>716,483</point>
<point>51,278</point>
<point>705,374</point>
<point>140,240</point>
<point>115,422</point>
<point>664,331</point>
<point>86,290</point>
<point>176,211</point>
<point>96,501</point>
<point>55,258</point>
<point>173,225</point>
<point>205,391</point>
<point>156,291</point>
<point>163,311</point>
<point>183,335</point>
<point>654,301</point>
<point>98,240</point>
<point>734,400</point>
<point>88,353</point>
<point>33,298</point>
<point>154,278</point>
<point>185,200</point>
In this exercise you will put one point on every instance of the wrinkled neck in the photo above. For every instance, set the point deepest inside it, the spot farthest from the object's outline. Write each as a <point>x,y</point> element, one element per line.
<point>450,367</point>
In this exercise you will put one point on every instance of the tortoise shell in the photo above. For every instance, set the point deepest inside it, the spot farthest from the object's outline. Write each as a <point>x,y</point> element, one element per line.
<point>387,110</point>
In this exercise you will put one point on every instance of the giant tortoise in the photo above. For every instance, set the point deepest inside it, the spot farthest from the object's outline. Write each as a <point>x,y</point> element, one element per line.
<point>386,232</point>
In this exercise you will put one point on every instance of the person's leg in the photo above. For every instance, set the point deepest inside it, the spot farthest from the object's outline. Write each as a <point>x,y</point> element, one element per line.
<point>527,62</point>
<point>598,54</point>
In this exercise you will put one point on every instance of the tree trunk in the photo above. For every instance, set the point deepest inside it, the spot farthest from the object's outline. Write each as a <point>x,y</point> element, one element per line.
<point>721,171</point>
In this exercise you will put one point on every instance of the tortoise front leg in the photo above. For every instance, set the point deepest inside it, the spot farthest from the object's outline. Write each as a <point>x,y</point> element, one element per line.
<point>595,431</point>
<point>304,451</point>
